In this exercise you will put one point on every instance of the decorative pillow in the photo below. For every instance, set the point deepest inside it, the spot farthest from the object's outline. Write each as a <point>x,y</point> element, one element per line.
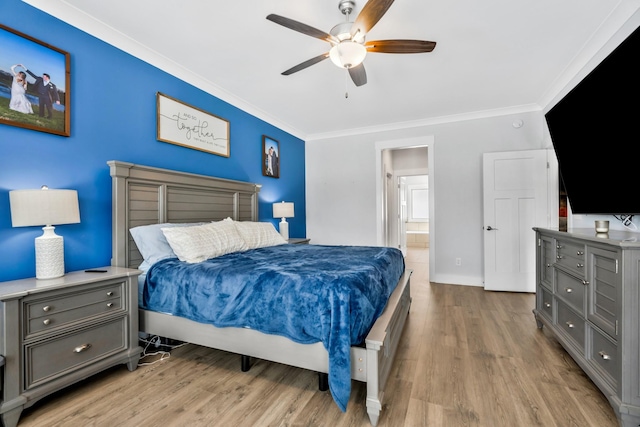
<point>152,244</point>
<point>196,244</point>
<point>259,234</point>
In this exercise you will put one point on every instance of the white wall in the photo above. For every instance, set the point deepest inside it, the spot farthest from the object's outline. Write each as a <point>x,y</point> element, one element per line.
<point>341,180</point>
<point>411,161</point>
<point>341,208</point>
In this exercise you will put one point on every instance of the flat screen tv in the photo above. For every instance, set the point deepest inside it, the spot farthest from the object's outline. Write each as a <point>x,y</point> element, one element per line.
<point>595,130</point>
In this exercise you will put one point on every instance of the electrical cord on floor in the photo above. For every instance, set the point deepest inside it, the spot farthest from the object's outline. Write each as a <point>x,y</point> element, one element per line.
<point>156,341</point>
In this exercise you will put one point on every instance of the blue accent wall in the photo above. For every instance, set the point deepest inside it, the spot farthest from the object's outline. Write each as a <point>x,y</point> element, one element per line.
<point>113,117</point>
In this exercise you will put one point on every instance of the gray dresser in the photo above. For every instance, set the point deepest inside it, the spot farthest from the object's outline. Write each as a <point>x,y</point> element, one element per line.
<point>587,294</point>
<point>59,331</point>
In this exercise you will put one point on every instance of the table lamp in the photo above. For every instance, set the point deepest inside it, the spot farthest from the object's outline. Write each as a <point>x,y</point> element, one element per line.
<point>283,210</point>
<point>45,207</point>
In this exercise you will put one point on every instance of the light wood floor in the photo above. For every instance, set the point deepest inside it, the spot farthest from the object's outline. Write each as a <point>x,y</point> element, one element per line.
<point>468,358</point>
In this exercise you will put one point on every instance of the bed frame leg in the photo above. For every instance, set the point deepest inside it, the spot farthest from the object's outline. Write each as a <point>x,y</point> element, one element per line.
<point>374,415</point>
<point>245,363</point>
<point>323,381</point>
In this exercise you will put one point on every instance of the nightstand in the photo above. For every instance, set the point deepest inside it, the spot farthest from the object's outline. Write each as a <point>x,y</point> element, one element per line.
<point>59,331</point>
<point>299,241</point>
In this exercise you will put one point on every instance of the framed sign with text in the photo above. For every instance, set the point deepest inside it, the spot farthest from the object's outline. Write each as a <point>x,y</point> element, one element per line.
<point>182,124</point>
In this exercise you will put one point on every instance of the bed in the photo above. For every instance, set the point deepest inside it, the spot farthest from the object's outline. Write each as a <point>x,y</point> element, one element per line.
<point>145,195</point>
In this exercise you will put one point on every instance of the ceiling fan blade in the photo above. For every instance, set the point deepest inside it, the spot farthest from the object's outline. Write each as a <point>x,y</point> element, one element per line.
<point>302,28</point>
<point>358,75</point>
<point>306,64</point>
<point>400,46</point>
<point>369,16</point>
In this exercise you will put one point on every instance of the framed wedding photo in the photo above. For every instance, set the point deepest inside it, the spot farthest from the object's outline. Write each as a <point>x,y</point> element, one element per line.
<point>35,80</point>
<point>270,157</point>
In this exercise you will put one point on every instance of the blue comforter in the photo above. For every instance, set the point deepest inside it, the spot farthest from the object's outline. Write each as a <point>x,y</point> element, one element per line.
<point>307,293</point>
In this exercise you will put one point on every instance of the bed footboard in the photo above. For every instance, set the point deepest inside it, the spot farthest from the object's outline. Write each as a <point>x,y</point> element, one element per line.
<point>381,345</point>
<point>371,364</point>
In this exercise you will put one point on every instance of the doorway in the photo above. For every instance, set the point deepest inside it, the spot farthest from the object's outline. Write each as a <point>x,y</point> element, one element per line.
<point>412,207</point>
<point>403,158</point>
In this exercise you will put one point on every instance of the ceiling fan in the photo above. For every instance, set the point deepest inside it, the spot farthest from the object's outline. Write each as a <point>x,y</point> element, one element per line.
<point>347,39</point>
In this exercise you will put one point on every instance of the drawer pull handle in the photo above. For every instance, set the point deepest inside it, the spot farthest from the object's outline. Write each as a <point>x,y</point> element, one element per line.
<point>46,321</point>
<point>46,308</point>
<point>604,355</point>
<point>558,246</point>
<point>110,304</point>
<point>585,282</point>
<point>568,290</point>
<point>578,265</point>
<point>81,348</point>
<point>570,325</point>
<point>548,265</point>
<point>559,257</point>
<point>109,294</point>
<point>547,304</point>
<point>579,253</point>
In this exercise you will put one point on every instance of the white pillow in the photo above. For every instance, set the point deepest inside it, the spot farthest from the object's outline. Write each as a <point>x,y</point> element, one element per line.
<point>152,244</point>
<point>196,244</point>
<point>259,234</point>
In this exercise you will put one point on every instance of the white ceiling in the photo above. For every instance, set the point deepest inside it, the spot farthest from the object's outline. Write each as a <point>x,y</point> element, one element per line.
<point>492,57</point>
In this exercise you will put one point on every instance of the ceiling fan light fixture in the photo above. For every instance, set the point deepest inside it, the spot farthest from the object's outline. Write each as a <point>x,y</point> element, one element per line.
<point>342,31</point>
<point>347,54</point>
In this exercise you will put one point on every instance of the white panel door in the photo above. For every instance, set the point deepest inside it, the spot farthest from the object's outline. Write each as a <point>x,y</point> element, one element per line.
<point>515,201</point>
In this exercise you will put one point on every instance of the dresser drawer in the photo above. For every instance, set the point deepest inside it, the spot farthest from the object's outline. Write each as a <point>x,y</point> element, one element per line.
<point>545,303</point>
<point>571,255</point>
<point>47,360</point>
<point>571,289</point>
<point>603,352</point>
<point>59,310</point>
<point>572,324</point>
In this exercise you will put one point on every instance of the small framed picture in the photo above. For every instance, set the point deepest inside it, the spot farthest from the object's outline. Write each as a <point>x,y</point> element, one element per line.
<point>34,84</point>
<point>270,157</point>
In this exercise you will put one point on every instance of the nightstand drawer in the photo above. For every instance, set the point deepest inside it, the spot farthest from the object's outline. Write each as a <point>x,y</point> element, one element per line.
<point>49,313</point>
<point>47,360</point>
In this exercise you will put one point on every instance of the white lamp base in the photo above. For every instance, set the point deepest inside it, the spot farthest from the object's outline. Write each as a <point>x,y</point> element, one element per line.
<point>49,254</point>
<point>284,229</point>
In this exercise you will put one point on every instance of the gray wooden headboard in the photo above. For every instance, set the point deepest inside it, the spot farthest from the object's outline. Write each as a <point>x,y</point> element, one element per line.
<point>144,195</point>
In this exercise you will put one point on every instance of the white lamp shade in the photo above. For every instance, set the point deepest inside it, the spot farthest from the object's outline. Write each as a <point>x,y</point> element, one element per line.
<point>348,54</point>
<point>283,210</point>
<point>44,207</point>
